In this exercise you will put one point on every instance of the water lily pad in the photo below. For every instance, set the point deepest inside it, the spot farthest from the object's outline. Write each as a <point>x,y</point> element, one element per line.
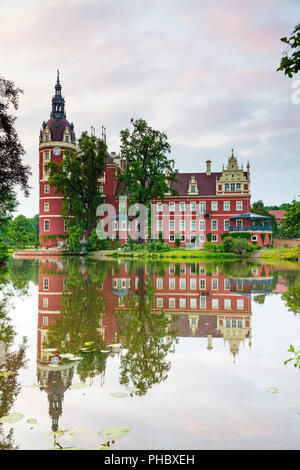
<point>119,395</point>
<point>79,385</point>
<point>31,421</point>
<point>272,390</point>
<point>133,389</point>
<point>117,431</point>
<point>11,418</point>
<point>6,374</point>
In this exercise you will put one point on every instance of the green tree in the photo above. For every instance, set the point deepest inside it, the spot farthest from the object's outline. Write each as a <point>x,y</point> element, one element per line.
<point>77,177</point>
<point>291,222</point>
<point>147,171</point>
<point>21,232</point>
<point>290,62</point>
<point>12,171</point>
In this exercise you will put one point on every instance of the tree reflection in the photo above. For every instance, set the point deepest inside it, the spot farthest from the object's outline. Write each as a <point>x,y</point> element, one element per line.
<point>144,336</point>
<point>83,307</point>
<point>10,361</point>
<point>292,295</point>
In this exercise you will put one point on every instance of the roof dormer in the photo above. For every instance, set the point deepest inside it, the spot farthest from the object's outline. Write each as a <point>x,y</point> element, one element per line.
<point>193,187</point>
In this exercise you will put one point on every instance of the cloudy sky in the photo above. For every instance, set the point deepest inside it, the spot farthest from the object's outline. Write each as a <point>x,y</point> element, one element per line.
<point>203,72</point>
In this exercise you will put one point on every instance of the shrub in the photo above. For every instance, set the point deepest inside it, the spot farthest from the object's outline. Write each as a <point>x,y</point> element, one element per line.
<point>208,236</point>
<point>210,246</point>
<point>3,252</point>
<point>228,245</point>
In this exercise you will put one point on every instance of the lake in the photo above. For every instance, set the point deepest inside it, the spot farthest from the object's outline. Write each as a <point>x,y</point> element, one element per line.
<point>151,355</point>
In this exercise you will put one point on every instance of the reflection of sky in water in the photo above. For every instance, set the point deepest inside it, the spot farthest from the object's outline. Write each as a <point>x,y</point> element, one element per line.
<point>207,401</point>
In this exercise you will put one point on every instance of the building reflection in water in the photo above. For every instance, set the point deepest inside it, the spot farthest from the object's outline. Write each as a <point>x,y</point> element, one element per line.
<point>199,301</point>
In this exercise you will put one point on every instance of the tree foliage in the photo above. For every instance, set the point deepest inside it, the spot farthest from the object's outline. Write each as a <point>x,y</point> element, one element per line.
<point>290,62</point>
<point>291,222</point>
<point>77,177</point>
<point>21,232</point>
<point>147,170</point>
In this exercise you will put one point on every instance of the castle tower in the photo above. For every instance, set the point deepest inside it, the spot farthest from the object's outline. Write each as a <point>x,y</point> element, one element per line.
<point>56,136</point>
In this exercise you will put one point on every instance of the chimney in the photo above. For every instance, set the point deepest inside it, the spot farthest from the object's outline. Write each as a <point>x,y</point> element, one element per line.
<point>208,168</point>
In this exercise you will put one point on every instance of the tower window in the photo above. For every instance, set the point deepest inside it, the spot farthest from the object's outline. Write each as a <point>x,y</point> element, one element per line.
<point>46,189</point>
<point>66,138</point>
<point>46,225</point>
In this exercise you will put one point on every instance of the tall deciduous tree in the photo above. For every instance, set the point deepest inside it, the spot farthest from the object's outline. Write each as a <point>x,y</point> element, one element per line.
<point>290,62</point>
<point>147,171</point>
<point>12,171</point>
<point>77,177</point>
<point>291,221</point>
<point>21,232</point>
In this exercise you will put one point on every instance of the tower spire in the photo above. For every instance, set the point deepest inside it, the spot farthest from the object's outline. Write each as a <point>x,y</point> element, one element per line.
<point>58,102</point>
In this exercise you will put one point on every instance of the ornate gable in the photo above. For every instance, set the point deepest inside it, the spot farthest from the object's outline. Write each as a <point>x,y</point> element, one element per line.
<point>233,179</point>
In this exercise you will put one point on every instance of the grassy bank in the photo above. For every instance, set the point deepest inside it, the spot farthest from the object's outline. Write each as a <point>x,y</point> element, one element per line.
<point>179,254</point>
<point>280,254</point>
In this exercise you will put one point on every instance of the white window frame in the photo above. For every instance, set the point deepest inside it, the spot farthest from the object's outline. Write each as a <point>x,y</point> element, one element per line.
<point>46,206</point>
<point>226,205</point>
<point>237,205</point>
<point>214,238</point>
<point>214,206</point>
<point>171,206</point>
<point>193,204</point>
<point>46,229</point>
<point>46,189</point>
<point>214,221</point>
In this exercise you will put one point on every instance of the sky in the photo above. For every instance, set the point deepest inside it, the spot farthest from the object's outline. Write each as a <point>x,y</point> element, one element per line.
<point>202,72</point>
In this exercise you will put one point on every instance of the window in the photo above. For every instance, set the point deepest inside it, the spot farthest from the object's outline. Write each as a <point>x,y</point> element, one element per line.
<point>172,206</point>
<point>201,270</point>
<point>46,283</point>
<point>159,206</point>
<point>202,301</point>
<point>172,238</point>
<point>239,205</point>
<point>201,224</point>
<point>172,303</point>
<point>192,206</point>
<point>46,206</point>
<point>193,225</point>
<point>214,206</point>
<point>193,188</point>
<point>238,186</point>
<point>193,303</point>
<point>232,187</point>
<point>202,238</point>
<point>172,283</point>
<point>182,269</point>
<point>214,272</point>
<point>214,225</point>
<point>172,225</point>
<point>226,225</point>
<point>45,302</point>
<point>101,189</point>
<point>124,225</point>
<point>46,138</point>
<point>254,238</point>
<point>226,205</point>
<point>46,171</point>
<point>227,323</point>
<point>214,284</point>
<point>172,269</point>
<point>214,238</point>
<point>227,284</point>
<point>215,303</point>
<point>159,283</point>
<point>240,304</point>
<point>182,225</point>
<point>226,186</point>
<point>159,225</point>
<point>193,283</point>
<point>182,206</point>
<point>182,303</point>
<point>233,323</point>
<point>46,225</point>
<point>46,155</point>
<point>202,284</point>
<point>159,302</point>
<point>67,138</point>
<point>201,207</point>
<point>182,238</point>
<point>45,321</point>
<point>182,283</point>
<point>240,323</point>
<point>46,189</point>
<point>227,303</point>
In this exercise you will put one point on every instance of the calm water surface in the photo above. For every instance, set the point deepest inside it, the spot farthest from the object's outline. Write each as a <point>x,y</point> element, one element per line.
<point>187,356</point>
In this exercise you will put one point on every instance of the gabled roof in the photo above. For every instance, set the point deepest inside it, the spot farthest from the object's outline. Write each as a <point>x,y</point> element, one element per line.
<point>206,183</point>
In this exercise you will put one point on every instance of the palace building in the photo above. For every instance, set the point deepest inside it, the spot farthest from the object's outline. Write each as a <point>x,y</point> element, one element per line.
<point>208,203</point>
